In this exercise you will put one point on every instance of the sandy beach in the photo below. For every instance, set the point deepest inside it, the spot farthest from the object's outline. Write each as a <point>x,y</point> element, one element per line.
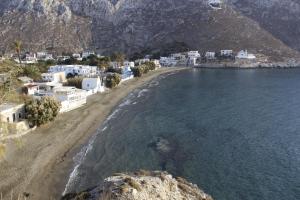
<point>39,163</point>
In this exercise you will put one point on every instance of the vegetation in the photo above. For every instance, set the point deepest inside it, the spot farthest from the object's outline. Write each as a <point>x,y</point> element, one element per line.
<point>18,46</point>
<point>32,71</point>
<point>133,183</point>
<point>112,80</point>
<point>119,58</point>
<point>143,69</point>
<point>74,82</point>
<point>114,70</point>
<point>2,151</point>
<point>41,111</point>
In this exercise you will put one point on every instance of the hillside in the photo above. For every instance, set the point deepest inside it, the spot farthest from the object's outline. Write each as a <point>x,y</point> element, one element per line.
<point>142,25</point>
<point>142,185</point>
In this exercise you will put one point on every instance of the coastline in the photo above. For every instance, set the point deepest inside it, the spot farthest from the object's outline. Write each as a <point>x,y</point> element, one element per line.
<point>39,164</point>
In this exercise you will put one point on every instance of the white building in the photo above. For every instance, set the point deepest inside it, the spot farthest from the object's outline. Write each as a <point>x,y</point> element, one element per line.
<point>178,57</point>
<point>42,55</point>
<point>210,55</point>
<point>70,98</point>
<point>226,53</point>
<point>13,120</point>
<point>77,56</point>
<point>63,58</point>
<point>25,79</point>
<point>141,61</point>
<point>11,113</point>
<point>56,77</point>
<point>245,55</point>
<point>167,61</point>
<point>30,88</point>
<point>156,62</point>
<point>92,85</point>
<point>86,54</point>
<point>74,70</point>
<point>193,54</point>
<point>128,64</point>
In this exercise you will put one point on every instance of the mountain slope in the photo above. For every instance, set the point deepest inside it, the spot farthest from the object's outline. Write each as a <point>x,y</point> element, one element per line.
<point>133,25</point>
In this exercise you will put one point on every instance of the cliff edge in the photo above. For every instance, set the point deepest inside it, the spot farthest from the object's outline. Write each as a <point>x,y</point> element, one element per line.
<point>143,185</point>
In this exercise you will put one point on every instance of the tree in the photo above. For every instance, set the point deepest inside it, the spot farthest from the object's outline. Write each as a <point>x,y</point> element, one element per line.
<point>75,82</point>
<point>33,72</point>
<point>137,71</point>
<point>41,111</point>
<point>112,80</point>
<point>18,46</point>
<point>118,57</point>
<point>150,65</point>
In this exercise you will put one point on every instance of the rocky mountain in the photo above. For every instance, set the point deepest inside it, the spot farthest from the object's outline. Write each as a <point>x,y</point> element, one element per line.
<point>142,185</point>
<point>131,26</point>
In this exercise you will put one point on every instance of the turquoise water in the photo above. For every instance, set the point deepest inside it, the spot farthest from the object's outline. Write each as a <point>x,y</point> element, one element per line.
<point>235,133</point>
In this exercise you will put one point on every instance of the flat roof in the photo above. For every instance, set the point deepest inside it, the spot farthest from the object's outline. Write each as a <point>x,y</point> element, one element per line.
<point>7,106</point>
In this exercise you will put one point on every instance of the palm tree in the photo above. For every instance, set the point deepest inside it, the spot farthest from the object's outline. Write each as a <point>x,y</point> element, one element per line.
<point>18,46</point>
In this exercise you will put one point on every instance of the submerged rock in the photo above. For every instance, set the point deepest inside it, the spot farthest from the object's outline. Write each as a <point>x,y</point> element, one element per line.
<point>143,185</point>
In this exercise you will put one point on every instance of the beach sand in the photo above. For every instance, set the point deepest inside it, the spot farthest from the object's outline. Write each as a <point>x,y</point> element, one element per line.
<point>39,163</point>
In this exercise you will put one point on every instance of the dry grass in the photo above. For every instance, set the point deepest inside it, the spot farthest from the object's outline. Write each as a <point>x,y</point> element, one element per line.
<point>2,151</point>
<point>133,183</point>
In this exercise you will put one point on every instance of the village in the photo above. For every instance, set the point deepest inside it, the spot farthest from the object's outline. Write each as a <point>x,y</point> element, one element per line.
<point>67,84</point>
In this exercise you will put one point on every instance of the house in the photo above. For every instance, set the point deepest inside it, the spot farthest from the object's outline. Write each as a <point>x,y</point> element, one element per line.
<point>56,77</point>
<point>141,61</point>
<point>30,88</point>
<point>126,74</point>
<point>44,56</point>
<point>70,98</point>
<point>63,58</point>
<point>226,53</point>
<point>92,85</point>
<point>46,89</point>
<point>193,55</point>
<point>74,70</point>
<point>28,58</point>
<point>86,54</point>
<point>13,118</point>
<point>77,56</point>
<point>25,79</point>
<point>210,55</point>
<point>178,57</point>
<point>128,64</point>
<point>243,54</point>
<point>156,62</point>
<point>167,61</point>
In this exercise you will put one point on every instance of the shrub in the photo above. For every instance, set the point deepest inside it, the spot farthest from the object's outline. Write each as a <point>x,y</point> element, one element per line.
<point>112,80</point>
<point>41,111</point>
<point>114,70</point>
<point>137,71</point>
<point>75,82</point>
<point>133,183</point>
<point>33,72</point>
<point>150,65</point>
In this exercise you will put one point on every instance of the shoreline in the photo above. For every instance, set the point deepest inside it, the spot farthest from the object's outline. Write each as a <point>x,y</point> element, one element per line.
<point>39,164</point>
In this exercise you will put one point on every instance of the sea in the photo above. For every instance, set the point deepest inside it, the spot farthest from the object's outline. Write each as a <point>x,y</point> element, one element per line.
<point>233,132</point>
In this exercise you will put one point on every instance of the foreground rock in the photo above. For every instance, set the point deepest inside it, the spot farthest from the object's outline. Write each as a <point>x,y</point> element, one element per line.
<point>143,185</point>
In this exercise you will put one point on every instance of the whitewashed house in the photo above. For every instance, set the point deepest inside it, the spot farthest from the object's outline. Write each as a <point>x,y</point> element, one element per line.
<point>128,64</point>
<point>13,118</point>
<point>141,61</point>
<point>226,53</point>
<point>77,56</point>
<point>210,55</point>
<point>156,62</point>
<point>86,54</point>
<point>70,98</point>
<point>126,74</point>
<point>63,58</point>
<point>92,85</point>
<point>74,70</point>
<point>194,54</point>
<point>30,88</point>
<point>245,55</point>
<point>29,58</point>
<point>56,77</point>
<point>167,61</point>
<point>25,79</point>
<point>42,55</point>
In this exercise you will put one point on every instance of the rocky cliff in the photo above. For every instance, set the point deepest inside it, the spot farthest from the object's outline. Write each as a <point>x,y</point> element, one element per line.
<point>151,26</point>
<point>143,185</point>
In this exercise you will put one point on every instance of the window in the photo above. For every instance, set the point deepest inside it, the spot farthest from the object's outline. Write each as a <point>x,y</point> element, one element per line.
<point>7,119</point>
<point>14,117</point>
